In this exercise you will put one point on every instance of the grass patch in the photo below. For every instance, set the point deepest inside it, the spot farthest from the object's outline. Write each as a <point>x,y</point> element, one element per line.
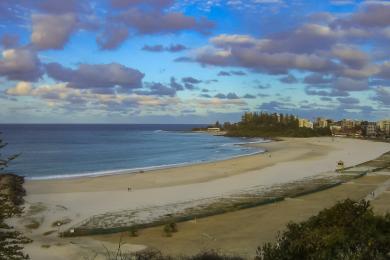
<point>61,222</point>
<point>36,208</point>
<point>34,224</point>
<point>133,232</point>
<point>61,207</point>
<point>49,232</point>
<point>170,228</point>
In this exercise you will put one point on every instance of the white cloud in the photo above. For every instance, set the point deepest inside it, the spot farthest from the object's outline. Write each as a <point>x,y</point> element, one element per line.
<point>21,89</point>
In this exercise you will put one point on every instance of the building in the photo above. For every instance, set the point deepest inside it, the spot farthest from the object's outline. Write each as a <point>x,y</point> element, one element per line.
<point>213,129</point>
<point>321,122</point>
<point>384,126</point>
<point>305,123</point>
<point>347,124</point>
<point>335,128</point>
<point>369,128</point>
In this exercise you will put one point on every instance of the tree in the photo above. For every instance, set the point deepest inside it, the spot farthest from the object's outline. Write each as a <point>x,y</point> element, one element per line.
<point>348,230</point>
<point>5,161</point>
<point>11,198</point>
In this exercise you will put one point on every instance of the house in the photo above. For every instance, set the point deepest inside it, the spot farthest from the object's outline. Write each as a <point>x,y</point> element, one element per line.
<point>321,122</point>
<point>213,129</point>
<point>347,124</point>
<point>305,123</point>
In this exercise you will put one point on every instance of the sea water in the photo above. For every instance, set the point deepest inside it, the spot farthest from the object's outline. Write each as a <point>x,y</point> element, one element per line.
<point>63,151</point>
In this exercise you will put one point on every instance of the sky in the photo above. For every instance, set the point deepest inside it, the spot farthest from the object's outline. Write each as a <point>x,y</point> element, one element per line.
<point>192,61</point>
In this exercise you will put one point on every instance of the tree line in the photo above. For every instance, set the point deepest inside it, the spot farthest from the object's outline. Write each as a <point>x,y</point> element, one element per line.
<point>262,124</point>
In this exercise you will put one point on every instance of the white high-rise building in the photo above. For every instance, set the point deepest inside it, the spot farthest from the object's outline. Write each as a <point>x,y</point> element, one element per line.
<point>384,126</point>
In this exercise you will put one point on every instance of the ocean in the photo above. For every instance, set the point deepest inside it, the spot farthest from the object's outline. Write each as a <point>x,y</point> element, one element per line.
<point>63,151</point>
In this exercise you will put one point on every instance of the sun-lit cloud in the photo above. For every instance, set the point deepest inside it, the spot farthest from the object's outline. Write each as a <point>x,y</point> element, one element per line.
<point>21,89</point>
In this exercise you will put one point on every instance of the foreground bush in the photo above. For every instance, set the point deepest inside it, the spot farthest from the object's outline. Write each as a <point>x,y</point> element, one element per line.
<point>153,254</point>
<point>170,228</point>
<point>212,255</point>
<point>348,230</point>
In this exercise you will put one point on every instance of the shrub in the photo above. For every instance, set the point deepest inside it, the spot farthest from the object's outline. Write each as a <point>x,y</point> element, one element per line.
<point>34,224</point>
<point>133,232</point>
<point>212,255</point>
<point>170,228</point>
<point>348,230</point>
<point>47,233</point>
<point>61,222</point>
<point>154,254</point>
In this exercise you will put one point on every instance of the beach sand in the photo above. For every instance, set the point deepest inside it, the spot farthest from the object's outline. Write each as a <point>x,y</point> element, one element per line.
<point>285,161</point>
<point>241,232</point>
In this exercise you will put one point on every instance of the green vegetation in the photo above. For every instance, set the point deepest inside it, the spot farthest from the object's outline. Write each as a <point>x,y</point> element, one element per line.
<point>133,232</point>
<point>212,255</point>
<point>47,233</point>
<point>253,124</point>
<point>154,254</point>
<point>271,125</point>
<point>33,224</point>
<point>11,199</point>
<point>348,230</point>
<point>35,208</point>
<point>170,228</point>
<point>61,222</point>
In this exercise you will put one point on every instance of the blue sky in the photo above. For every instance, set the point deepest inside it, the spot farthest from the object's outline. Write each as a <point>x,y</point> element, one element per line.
<point>192,61</point>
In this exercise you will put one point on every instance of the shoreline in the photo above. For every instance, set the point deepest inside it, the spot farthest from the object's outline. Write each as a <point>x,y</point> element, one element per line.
<point>148,169</point>
<point>287,150</point>
<point>267,147</point>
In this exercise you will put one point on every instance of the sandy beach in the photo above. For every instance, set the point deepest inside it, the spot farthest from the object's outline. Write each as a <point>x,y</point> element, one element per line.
<point>178,188</point>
